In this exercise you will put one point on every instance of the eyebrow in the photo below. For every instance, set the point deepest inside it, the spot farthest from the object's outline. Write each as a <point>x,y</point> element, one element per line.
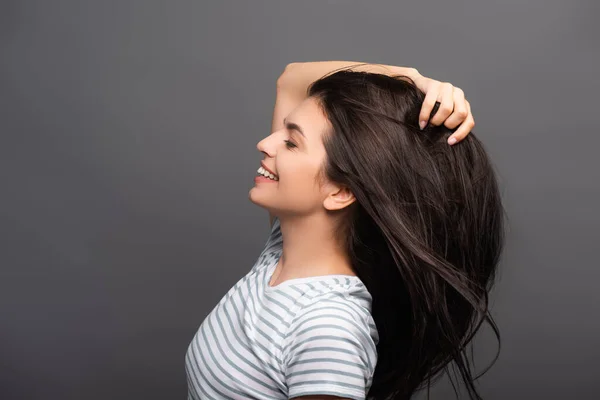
<point>293,126</point>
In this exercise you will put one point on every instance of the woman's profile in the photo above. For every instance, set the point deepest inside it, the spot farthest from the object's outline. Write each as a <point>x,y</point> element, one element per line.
<point>384,243</point>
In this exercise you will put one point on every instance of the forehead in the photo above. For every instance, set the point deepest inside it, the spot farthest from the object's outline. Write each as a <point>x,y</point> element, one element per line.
<point>310,117</point>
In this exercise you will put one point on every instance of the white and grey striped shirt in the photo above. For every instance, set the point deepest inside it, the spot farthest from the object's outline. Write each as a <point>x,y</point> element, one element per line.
<point>311,335</point>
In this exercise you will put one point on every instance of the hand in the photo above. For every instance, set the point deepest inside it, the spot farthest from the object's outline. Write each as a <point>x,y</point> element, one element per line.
<point>454,109</point>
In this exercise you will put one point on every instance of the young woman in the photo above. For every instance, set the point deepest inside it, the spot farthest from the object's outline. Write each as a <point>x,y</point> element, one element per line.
<point>383,247</point>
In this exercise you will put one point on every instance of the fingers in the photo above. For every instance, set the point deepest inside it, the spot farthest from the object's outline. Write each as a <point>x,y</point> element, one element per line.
<point>446,99</point>
<point>460,109</point>
<point>454,110</point>
<point>465,128</point>
<point>431,96</point>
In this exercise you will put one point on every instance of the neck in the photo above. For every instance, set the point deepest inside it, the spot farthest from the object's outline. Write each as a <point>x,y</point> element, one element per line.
<point>310,249</point>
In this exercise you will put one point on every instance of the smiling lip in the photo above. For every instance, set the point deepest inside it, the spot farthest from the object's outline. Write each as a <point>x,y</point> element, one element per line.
<point>260,178</point>
<point>265,167</point>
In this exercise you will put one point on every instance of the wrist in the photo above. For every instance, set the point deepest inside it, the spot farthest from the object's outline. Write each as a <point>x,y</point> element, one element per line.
<point>410,72</point>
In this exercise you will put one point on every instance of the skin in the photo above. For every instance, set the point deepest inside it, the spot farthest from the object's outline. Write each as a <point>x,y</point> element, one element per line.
<point>310,247</point>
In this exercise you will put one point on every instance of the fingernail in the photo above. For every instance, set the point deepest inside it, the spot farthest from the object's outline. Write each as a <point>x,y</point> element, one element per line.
<point>422,124</point>
<point>452,140</point>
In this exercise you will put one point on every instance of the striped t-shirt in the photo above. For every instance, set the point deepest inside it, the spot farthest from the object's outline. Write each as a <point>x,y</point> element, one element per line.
<point>312,335</point>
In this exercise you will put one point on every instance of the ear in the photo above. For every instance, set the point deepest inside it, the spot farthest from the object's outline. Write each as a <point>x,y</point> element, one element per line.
<point>338,198</point>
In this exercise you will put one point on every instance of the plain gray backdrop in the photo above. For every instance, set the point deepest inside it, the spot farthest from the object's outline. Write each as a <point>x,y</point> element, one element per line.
<point>129,132</point>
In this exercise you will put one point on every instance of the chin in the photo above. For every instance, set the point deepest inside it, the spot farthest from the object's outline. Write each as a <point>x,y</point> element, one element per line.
<point>255,198</point>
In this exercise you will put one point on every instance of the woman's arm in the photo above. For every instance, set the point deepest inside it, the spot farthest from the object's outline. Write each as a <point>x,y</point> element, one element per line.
<point>298,76</point>
<point>454,109</point>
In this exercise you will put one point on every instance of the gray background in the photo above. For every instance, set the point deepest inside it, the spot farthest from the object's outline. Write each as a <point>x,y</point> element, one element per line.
<point>128,149</point>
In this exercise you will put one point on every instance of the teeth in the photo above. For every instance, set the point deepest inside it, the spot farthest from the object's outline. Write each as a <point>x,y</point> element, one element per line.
<point>264,172</point>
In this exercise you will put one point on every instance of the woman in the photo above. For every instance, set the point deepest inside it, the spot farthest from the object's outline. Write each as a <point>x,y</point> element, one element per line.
<point>383,246</point>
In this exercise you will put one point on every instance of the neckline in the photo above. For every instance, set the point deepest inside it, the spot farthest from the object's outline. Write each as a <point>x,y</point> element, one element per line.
<point>294,281</point>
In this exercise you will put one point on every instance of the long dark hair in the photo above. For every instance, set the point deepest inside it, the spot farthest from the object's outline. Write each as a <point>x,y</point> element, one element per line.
<point>425,233</point>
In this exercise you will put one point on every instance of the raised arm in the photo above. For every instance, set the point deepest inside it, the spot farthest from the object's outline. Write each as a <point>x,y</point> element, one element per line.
<point>298,76</point>
<point>454,111</point>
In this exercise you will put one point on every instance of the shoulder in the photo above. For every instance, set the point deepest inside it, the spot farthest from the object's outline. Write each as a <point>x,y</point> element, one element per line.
<point>330,349</point>
<point>329,314</point>
<point>343,298</point>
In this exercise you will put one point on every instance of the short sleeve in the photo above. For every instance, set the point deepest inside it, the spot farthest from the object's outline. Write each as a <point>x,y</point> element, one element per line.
<point>329,351</point>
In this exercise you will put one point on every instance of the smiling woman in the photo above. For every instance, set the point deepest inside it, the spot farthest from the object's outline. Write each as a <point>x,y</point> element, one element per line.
<point>383,246</point>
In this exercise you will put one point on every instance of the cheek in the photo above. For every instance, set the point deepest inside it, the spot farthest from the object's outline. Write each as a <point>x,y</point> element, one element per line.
<point>299,179</point>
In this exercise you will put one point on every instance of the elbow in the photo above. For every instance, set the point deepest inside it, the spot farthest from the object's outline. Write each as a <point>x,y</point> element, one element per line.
<point>282,81</point>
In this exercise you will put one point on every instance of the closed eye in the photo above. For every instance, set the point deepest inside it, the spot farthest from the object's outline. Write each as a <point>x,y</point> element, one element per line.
<point>289,144</point>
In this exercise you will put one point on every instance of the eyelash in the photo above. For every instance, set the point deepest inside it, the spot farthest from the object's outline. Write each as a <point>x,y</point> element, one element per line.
<point>288,143</point>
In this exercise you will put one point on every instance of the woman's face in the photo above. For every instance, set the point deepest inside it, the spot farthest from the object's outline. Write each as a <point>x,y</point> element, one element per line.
<point>295,154</point>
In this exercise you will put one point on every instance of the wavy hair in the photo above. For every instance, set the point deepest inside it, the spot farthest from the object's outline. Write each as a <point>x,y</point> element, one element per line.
<point>425,233</point>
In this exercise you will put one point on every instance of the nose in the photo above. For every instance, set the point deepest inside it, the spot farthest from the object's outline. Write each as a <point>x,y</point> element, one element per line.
<point>264,147</point>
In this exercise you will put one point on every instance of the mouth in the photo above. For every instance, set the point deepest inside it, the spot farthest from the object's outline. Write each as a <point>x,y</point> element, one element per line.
<point>267,173</point>
<point>263,174</point>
